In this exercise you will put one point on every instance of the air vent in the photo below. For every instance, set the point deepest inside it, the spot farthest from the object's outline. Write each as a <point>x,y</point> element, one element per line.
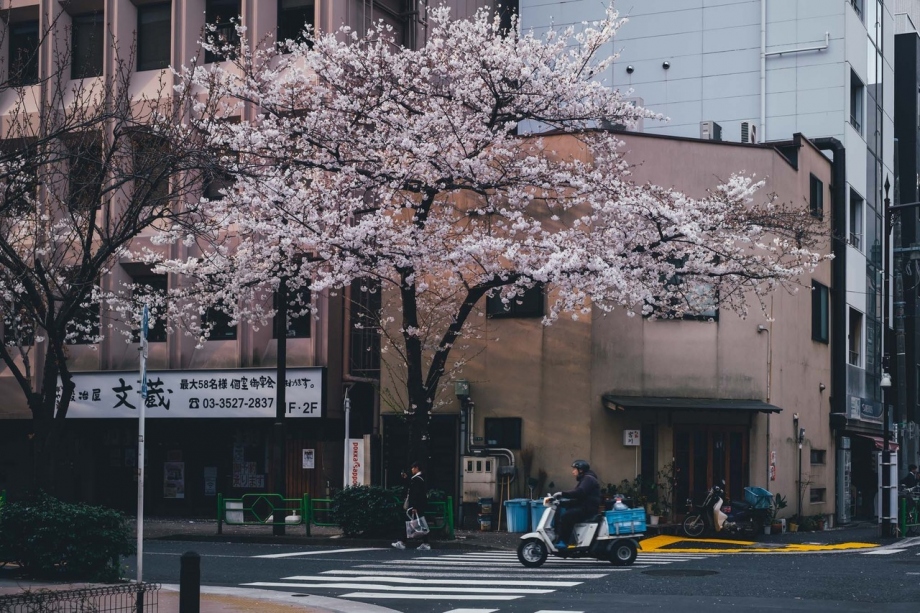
<point>748,132</point>
<point>710,130</point>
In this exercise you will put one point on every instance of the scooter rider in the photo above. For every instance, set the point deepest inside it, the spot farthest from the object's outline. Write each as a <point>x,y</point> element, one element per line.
<point>587,497</point>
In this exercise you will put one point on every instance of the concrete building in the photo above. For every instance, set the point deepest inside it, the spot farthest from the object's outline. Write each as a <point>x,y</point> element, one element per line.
<point>715,397</point>
<point>757,71</point>
<point>214,450</point>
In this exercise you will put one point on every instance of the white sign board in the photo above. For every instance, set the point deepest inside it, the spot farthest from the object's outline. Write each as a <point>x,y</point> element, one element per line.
<point>233,393</point>
<point>309,458</point>
<point>631,438</point>
<point>355,472</point>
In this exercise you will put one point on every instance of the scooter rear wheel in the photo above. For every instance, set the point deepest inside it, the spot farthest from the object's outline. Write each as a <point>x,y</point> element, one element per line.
<point>694,525</point>
<point>532,552</point>
<point>623,553</point>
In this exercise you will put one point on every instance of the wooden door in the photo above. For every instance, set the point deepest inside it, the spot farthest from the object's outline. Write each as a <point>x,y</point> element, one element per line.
<point>704,455</point>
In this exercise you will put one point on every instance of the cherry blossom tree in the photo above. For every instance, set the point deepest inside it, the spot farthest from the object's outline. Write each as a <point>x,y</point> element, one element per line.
<point>85,168</point>
<point>439,175</point>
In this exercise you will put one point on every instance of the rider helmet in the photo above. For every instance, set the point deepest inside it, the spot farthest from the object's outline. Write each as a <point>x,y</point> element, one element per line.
<point>581,465</point>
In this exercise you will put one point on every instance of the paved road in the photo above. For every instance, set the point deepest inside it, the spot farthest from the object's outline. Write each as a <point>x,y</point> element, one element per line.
<point>477,581</point>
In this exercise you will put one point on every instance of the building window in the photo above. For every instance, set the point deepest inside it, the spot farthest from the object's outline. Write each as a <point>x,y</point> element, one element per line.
<point>820,309</point>
<point>87,46</point>
<point>818,456</point>
<point>817,494</point>
<point>857,92</point>
<point>816,196</point>
<point>503,432</point>
<point>298,314</point>
<point>224,15</point>
<point>855,338</point>
<point>364,347</point>
<point>23,54</point>
<point>86,173</point>
<point>527,304</point>
<point>293,17</point>
<point>219,323</point>
<point>154,37</point>
<point>154,285</point>
<point>858,7</point>
<point>507,9</point>
<point>18,329</point>
<point>856,220</point>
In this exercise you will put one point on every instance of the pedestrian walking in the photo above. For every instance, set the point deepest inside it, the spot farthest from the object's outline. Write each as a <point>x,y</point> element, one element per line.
<point>416,501</point>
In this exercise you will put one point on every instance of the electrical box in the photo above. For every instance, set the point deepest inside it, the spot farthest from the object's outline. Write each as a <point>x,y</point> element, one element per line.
<point>479,477</point>
<point>710,130</point>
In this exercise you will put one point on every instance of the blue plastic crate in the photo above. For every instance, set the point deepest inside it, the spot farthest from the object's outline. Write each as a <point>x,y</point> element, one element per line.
<point>625,522</point>
<point>758,497</point>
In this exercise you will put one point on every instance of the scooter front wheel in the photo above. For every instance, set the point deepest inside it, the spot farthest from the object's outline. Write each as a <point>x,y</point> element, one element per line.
<point>694,525</point>
<point>532,552</point>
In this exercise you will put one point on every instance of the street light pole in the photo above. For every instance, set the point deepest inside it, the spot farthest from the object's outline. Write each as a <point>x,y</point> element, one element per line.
<point>885,383</point>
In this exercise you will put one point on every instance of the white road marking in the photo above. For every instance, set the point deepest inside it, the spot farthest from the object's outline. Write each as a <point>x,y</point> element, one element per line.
<point>882,552</point>
<point>471,611</point>
<point>382,595</point>
<point>523,573</point>
<point>394,588</point>
<point>316,553</point>
<point>416,581</point>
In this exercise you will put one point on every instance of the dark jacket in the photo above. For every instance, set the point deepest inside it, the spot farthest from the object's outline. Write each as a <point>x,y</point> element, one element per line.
<point>418,493</point>
<point>587,492</point>
<point>909,480</point>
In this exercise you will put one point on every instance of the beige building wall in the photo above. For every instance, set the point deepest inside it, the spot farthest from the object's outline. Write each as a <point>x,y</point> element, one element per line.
<point>554,377</point>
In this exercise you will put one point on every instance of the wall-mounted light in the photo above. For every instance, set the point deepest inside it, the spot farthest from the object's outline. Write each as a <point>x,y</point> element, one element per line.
<point>762,328</point>
<point>629,69</point>
<point>822,387</point>
<point>886,380</point>
<point>666,64</point>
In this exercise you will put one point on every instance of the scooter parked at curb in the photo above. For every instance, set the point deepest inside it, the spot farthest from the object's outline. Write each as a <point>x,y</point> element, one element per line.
<point>715,516</point>
<point>592,538</point>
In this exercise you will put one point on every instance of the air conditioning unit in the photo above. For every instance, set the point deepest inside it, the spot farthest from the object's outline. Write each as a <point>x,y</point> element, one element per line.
<point>710,130</point>
<point>748,132</point>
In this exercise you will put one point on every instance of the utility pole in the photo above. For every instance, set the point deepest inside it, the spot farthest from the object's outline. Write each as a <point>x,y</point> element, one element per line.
<point>280,456</point>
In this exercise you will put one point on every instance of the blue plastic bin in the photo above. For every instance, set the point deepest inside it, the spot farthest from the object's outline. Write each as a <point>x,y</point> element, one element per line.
<point>516,510</point>
<point>536,513</point>
<point>626,522</point>
<point>758,497</point>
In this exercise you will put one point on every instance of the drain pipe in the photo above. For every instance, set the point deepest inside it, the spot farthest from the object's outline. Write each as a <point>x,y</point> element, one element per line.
<point>763,71</point>
<point>838,272</point>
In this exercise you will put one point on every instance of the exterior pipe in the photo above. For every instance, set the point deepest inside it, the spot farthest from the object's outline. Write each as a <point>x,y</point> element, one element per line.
<point>763,70</point>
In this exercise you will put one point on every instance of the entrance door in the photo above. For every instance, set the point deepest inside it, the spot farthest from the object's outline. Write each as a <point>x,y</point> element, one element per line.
<point>704,455</point>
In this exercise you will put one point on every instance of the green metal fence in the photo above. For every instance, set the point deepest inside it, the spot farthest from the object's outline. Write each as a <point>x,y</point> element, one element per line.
<point>260,510</point>
<point>909,517</point>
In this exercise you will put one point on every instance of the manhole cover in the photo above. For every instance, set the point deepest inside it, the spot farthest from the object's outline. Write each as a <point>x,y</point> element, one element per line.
<point>677,572</point>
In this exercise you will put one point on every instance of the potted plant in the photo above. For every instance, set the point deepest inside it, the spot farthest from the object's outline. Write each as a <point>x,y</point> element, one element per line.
<point>819,521</point>
<point>654,514</point>
<point>779,503</point>
<point>808,524</point>
<point>794,524</point>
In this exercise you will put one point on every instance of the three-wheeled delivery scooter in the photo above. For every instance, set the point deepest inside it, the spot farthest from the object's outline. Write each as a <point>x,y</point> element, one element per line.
<point>613,536</point>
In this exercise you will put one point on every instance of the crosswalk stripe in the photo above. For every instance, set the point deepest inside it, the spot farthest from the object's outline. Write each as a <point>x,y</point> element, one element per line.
<point>382,595</point>
<point>416,581</point>
<point>471,611</point>
<point>314,553</point>
<point>522,573</point>
<point>394,588</point>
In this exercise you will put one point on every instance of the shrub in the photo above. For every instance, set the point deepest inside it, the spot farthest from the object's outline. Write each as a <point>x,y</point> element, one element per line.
<point>49,537</point>
<point>367,510</point>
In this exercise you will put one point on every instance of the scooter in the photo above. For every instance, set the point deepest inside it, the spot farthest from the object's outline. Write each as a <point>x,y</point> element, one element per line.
<point>592,540</point>
<point>716,516</point>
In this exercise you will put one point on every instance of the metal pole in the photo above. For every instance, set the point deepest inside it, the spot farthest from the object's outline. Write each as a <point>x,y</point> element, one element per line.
<point>141,426</point>
<point>280,403</point>
<point>190,582</point>
<point>886,453</point>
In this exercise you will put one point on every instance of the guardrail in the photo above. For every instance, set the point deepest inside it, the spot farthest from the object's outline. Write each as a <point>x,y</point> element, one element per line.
<point>128,597</point>
<point>260,509</point>
<point>909,516</point>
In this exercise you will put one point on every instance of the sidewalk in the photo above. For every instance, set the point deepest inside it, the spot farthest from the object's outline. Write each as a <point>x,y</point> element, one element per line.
<point>239,600</point>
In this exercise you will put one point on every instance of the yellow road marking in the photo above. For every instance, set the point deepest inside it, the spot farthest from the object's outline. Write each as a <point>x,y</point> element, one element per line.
<point>657,544</point>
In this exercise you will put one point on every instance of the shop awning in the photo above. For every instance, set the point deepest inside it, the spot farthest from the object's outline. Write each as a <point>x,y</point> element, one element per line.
<point>880,442</point>
<point>615,402</point>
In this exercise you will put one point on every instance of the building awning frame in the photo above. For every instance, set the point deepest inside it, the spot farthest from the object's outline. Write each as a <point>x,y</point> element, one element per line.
<point>616,402</point>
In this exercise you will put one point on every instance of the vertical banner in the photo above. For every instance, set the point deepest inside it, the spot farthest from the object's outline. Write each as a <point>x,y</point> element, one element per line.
<point>355,471</point>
